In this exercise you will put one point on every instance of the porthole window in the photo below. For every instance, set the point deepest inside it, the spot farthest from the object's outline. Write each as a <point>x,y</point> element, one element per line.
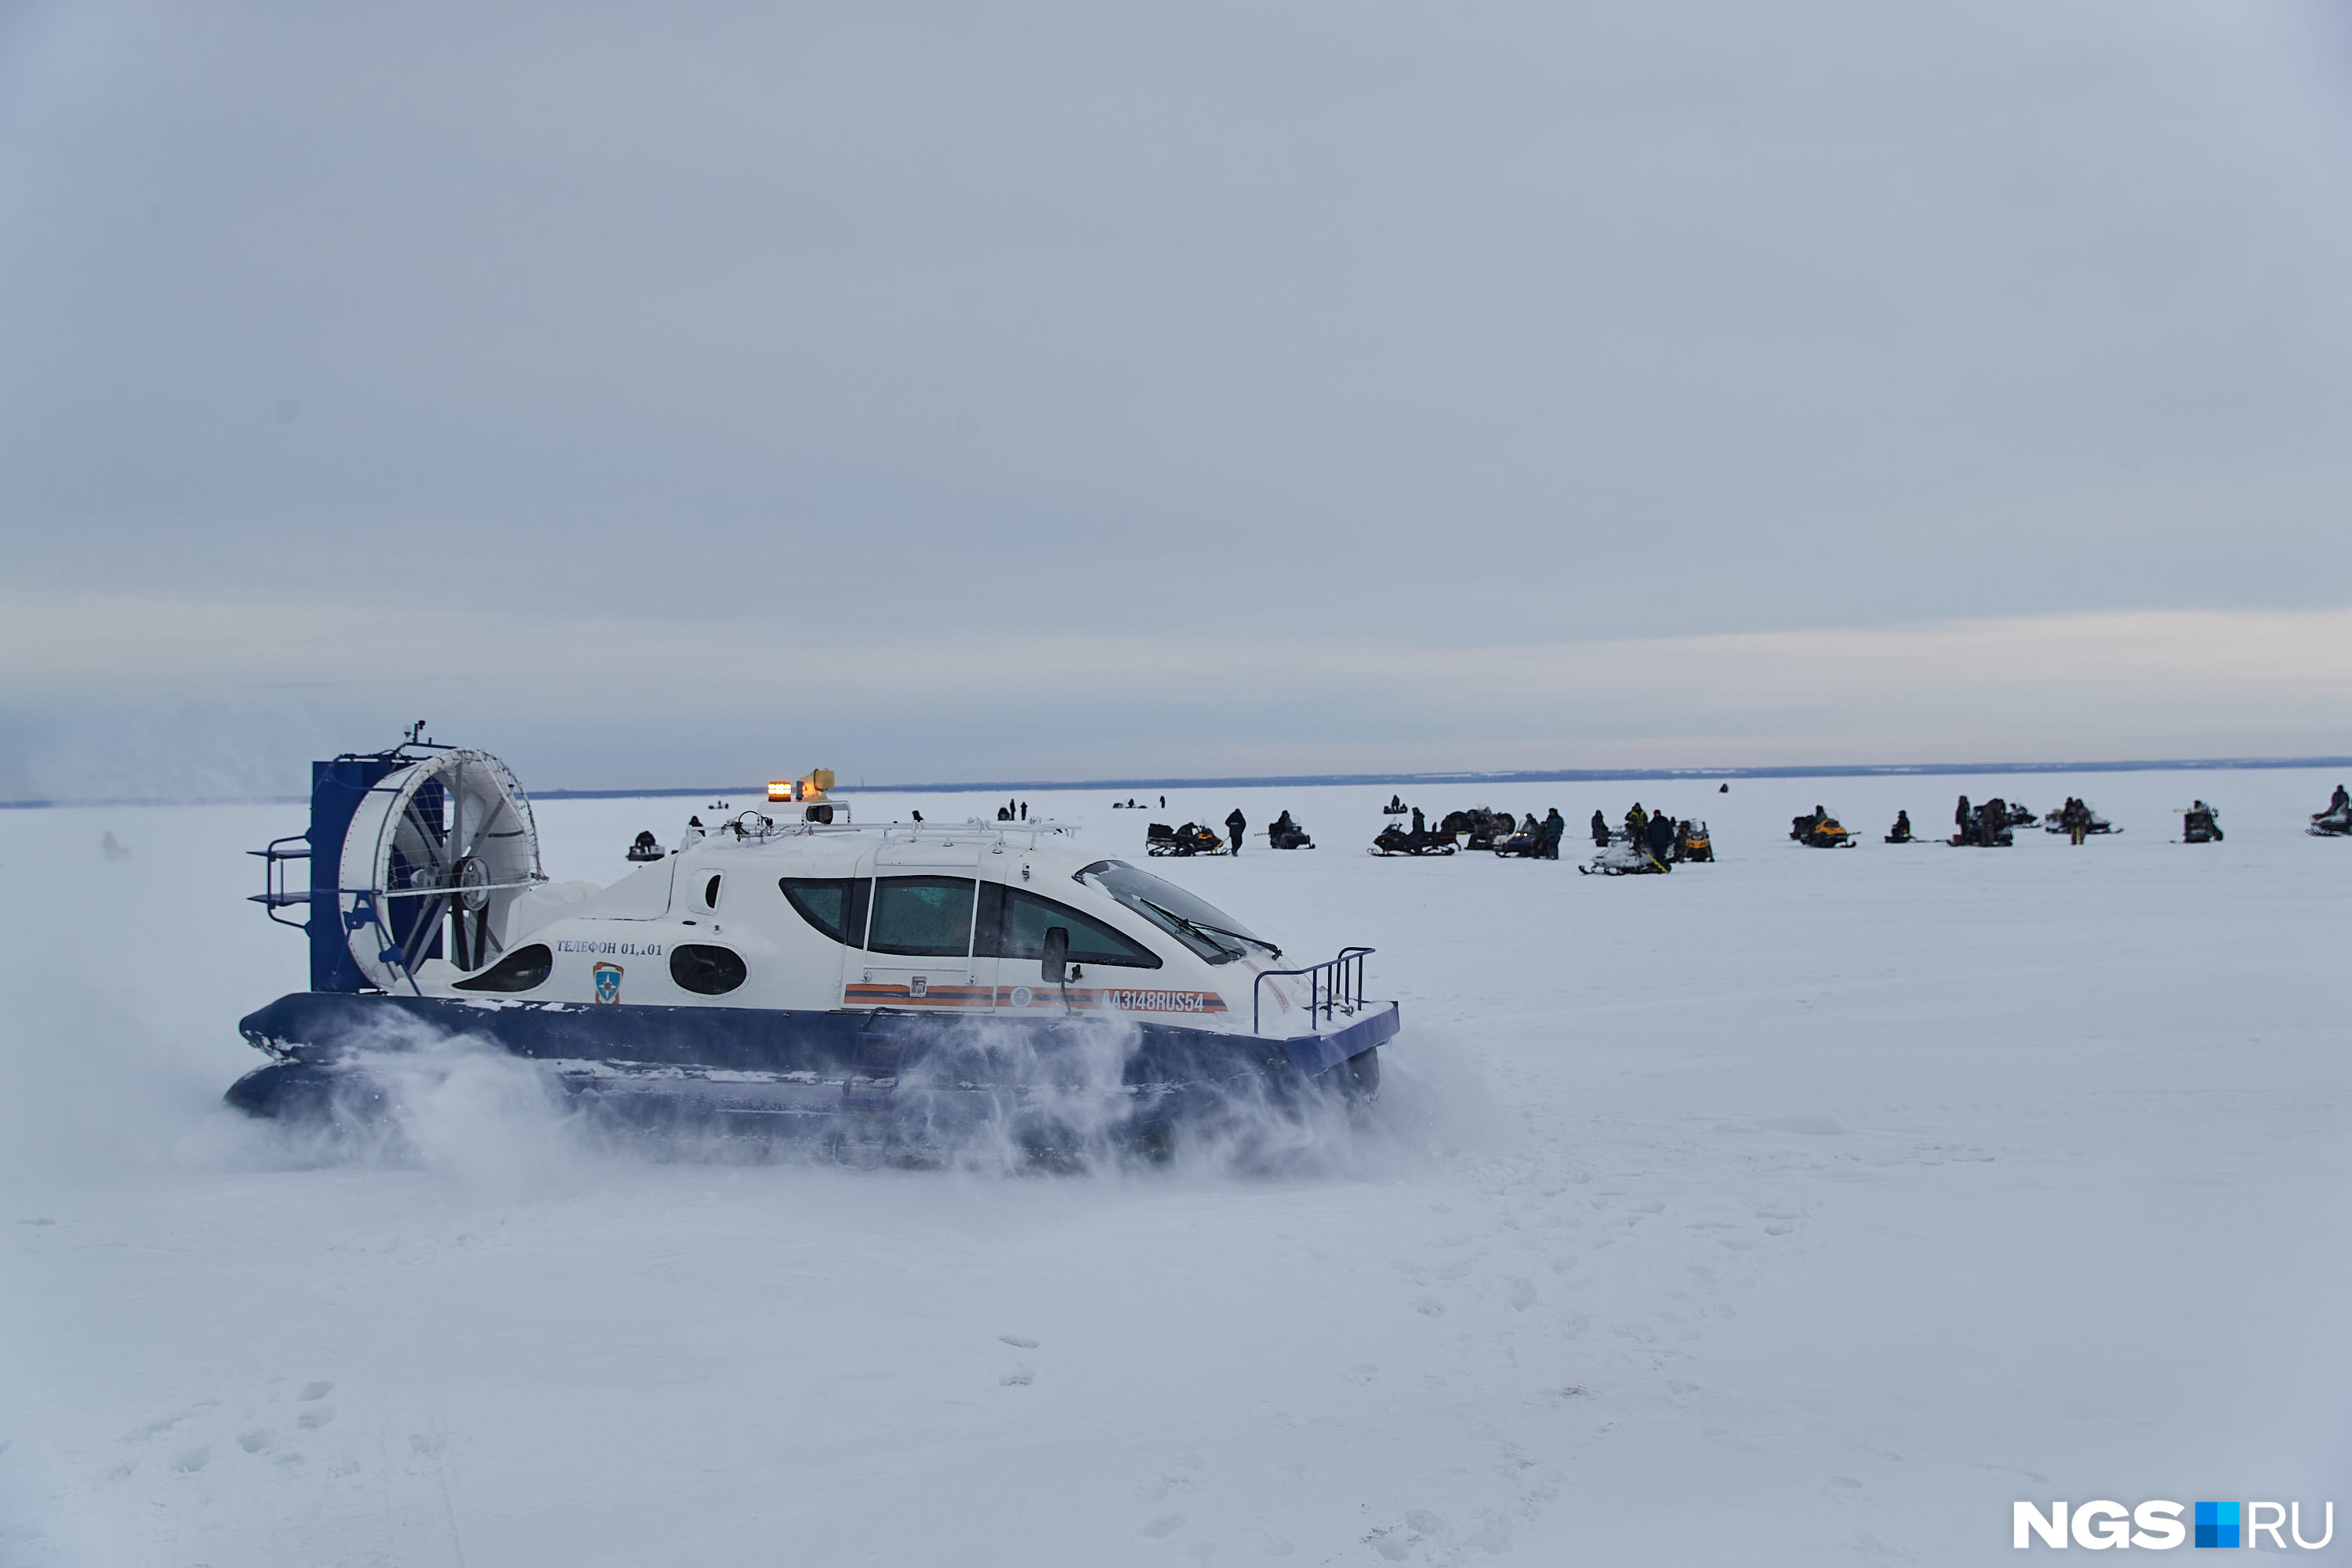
<point>710,892</point>
<point>705,970</point>
<point>524,969</point>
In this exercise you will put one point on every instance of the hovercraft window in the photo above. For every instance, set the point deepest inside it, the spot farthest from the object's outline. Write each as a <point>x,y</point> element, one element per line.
<point>927,917</point>
<point>521,970</point>
<point>706,971</point>
<point>1195,921</point>
<point>710,893</point>
<point>834,905</point>
<point>1014,924</point>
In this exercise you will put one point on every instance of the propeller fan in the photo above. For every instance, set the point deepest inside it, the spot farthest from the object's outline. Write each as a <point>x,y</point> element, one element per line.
<point>436,855</point>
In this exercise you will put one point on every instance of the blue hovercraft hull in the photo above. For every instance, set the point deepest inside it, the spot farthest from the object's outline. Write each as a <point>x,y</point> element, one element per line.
<point>888,1077</point>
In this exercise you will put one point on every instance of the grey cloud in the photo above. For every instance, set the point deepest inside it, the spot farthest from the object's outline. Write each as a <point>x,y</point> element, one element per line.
<point>1492,325</point>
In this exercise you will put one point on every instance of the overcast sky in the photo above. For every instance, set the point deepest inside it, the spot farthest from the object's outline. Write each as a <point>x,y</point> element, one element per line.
<point>679,394</point>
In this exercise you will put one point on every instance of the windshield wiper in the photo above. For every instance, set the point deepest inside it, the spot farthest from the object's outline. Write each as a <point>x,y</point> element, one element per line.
<point>1206,929</point>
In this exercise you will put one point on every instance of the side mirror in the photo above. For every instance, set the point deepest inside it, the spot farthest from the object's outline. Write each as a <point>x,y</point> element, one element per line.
<point>1055,969</point>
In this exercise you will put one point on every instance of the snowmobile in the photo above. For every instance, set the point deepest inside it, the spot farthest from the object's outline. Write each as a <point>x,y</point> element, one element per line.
<point>2198,825</point>
<point>1818,829</point>
<point>1191,838</point>
<point>2335,822</point>
<point>1396,839</point>
<point>1988,827</point>
<point>2020,815</point>
<point>644,849</point>
<point>1395,808</point>
<point>1286,834</point>
<point>1483,827</point>
<point>1691,842</point>
<point>1527,840</point>
<point>888,988</point>
<point>1623,856</point>
<point>1901,832</point>
<point>2056,822</point>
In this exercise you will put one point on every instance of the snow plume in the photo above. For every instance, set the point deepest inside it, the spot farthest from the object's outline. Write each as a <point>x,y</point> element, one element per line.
<point>411,1095</point>
<point>985,1098</point>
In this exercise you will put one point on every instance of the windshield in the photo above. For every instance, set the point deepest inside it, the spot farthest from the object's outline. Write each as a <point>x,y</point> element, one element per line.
<point>1190,919</point>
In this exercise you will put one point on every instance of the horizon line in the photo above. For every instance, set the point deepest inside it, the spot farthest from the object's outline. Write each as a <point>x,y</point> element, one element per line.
<point>1304,781</point>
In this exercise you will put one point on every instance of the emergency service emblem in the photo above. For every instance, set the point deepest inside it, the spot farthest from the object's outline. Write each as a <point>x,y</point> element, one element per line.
<point>608,981</point>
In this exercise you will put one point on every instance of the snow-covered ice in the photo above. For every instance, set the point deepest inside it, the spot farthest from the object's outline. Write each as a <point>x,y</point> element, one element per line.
<point>1810,1206</point>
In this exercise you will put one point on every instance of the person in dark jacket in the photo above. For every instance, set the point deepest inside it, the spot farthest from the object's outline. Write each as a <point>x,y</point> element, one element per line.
<point>1555,828</point>
<point>1600,831</point>
<point>1235,824</point>
<point>1662,836</point>
<point>1960,821</point>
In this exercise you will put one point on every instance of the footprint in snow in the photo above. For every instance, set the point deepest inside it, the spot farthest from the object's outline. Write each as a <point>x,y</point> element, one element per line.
<point>188,1461</point>
<point>1519,1293</point>
<point>1018,1341</point>
<point>311,1420</point>
<point>1162,1527</point>
<point>1021,1379</point>
<point>1429,1307</point>
<point>314,1391</point>
<point>425,1443</point>
<point>254,1441</point>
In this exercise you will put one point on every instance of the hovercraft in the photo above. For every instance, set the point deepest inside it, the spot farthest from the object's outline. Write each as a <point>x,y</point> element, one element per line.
<point>892,988</point>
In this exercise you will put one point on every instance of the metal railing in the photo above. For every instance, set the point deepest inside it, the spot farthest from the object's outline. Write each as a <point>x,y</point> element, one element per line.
<point>1333,987</point>
<point>274,894</point>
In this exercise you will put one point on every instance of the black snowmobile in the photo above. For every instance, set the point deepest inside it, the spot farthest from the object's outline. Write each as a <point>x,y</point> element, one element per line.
<point>1395,808</point>
<point>2064,818</point>
<point>1483,827</point>
<point>2335,822</point>
<point>2020,816</point>
<point>1901,832</point>
<point>1286,834</point>
<point>1189,839</point>
<point>1986,826</point>
<point>1396,839</point>
<point>2198,826</point>
<point>1527,840</point>
<point>644,849</point>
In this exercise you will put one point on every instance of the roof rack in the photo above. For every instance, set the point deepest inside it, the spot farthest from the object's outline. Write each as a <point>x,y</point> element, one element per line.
<point>756,827</point>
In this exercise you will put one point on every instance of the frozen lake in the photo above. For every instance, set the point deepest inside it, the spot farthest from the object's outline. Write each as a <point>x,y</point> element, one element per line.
<point>1806,1207</point>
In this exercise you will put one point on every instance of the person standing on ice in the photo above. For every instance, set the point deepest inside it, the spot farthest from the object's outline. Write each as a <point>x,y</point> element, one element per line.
<point>1555,827</point>
<point>1236,825</point>
<point>1960,821</point>
<point>1662,836</point>
<point>1600,830</point>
